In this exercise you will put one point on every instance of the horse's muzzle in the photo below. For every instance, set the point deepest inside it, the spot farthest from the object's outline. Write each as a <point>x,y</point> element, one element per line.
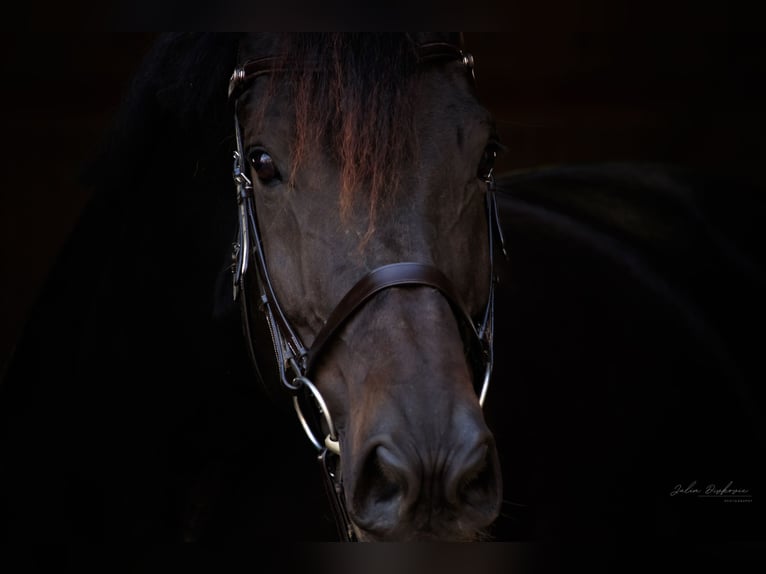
<point>406,488</point>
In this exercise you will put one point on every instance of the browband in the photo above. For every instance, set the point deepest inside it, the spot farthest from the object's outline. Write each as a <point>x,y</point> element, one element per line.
<point>426,53</point>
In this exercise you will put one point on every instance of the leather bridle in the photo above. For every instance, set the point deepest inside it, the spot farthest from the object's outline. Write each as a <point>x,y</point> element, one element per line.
<point>296,361</point>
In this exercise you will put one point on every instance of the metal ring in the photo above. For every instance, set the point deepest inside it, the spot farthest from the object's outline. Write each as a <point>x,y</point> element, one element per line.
<point>485,385</point>
<point>331,441</point>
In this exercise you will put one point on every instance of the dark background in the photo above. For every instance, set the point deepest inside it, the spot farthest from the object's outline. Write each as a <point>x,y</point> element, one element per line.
<point>588,82</point>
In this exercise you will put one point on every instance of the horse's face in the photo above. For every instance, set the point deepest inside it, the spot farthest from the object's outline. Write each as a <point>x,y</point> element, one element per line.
<point>418,460</point>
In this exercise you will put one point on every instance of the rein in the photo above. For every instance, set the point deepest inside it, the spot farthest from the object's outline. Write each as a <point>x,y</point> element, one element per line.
<point>295,361</point>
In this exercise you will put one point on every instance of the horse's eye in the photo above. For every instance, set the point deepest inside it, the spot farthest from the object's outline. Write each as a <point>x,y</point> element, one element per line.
<point>263,165</point>
<point>487,162</point>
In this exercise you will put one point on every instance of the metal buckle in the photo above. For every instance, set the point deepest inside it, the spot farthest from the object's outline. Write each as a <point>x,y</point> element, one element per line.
<point>468,62</point>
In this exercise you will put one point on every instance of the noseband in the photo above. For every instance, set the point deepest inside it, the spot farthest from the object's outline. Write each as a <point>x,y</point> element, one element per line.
<point>296,362</point>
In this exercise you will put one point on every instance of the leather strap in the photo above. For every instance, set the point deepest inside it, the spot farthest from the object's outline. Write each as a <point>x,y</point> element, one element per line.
<point>438,51</point>
<point>250,70</point>
<point>395,275</point>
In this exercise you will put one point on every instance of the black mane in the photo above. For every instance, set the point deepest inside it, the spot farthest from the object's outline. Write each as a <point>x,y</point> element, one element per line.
<point>178,97</point>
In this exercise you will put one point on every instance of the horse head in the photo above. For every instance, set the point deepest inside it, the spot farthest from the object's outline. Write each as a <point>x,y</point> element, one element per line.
<point>362,170</point>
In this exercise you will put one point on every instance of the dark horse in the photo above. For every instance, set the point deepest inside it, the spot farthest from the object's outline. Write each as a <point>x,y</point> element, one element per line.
<point>367,242</point>
<point>364,174</point>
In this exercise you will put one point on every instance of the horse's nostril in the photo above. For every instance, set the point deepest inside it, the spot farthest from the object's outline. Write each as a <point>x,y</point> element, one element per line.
<point>386,474</point>
<point>382,484</point>
<point>474,482</point>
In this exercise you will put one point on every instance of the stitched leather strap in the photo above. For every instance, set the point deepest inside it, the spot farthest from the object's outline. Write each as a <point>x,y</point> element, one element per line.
<point>438,51</point>
<point>395,275</point>
<point>251,69</point>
